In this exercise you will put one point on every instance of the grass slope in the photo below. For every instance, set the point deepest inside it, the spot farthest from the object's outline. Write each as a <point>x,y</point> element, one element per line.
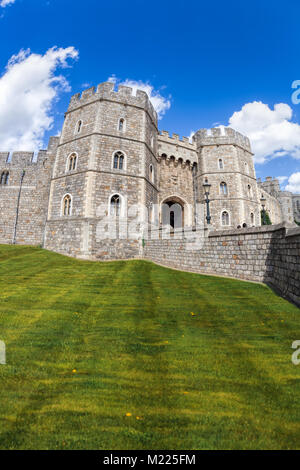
<point>219,379</point>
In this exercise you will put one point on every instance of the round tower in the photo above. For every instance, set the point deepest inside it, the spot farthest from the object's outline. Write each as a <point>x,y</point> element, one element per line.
<point>226,162</point>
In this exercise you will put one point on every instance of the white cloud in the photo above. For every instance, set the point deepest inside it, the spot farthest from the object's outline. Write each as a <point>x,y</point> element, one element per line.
<point>271,131</point>
<point>294,183</point>
<point>282,179</point>
<point>159,102</point>
<point>192,133</point>
<point>28,89</point>
<point>4,3</point>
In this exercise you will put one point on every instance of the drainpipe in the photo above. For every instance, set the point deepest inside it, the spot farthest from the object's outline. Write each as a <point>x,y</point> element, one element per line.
<point>17,210</point>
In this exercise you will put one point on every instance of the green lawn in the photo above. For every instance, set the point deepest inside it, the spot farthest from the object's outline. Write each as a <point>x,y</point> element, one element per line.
<point>88,343</point>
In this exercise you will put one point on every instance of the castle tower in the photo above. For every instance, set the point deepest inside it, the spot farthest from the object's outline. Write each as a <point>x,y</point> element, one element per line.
<point>106,163</point>
<point>178,162</point>
<point>226,162</point>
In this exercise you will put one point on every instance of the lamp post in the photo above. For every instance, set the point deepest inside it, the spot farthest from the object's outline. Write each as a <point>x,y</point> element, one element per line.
<point>263,204</point>
<point>207,187</point>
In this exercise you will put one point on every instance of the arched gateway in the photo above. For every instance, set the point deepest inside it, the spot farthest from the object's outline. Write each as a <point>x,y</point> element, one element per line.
<point>172,212</point>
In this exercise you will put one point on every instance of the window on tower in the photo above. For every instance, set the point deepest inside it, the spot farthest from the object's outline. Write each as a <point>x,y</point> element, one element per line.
<point>151,172</point>
<point>115,205</point>
<point>121,126</point>
<point>79,126</point>
<point>72,162</point>
<point>223,189</point>
<point>225,218</point>
<point>118,161</point>
<point>4,178</point>
<point>67,205</point>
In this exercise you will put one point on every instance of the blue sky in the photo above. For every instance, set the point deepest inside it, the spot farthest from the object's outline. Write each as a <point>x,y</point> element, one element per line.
<point>208,59</point>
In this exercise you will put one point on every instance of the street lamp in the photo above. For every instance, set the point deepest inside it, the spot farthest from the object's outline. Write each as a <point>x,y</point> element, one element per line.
<point>207,187</point>
<point>263,204</point>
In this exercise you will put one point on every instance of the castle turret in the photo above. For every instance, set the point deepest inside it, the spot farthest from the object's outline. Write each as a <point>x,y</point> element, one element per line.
<point>106,161</point>
<point>226,161</point>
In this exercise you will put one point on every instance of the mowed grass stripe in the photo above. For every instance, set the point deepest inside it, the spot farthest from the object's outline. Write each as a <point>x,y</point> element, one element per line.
<point>195,362</point>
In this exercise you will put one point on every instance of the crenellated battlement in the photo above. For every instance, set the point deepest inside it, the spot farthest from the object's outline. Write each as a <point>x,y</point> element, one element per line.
<point>172,147</point>
<point>106,91</point>
<point>174,139</point>
<point>25,159</point>
<point>221,136</point>
<point>173,161</point>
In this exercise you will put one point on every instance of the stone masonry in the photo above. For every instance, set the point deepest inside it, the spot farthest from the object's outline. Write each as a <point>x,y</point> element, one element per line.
<point>111,169</point>
<point>268,254</point>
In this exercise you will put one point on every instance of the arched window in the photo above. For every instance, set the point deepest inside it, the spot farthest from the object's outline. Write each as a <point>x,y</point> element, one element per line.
<point>223,189</point>
<point>252,218</point>
<point>225,218</point>
<point>121,126</point>
<point>151,173</point>
<point>4,177</point>
<point>221,164</point>
<point>72,162</point>
<point>249,191</point>
<point>67,205</point>
<point>118,162</point>
<point>79,126</point>
<point>298,206</point>
<point>115,205</point>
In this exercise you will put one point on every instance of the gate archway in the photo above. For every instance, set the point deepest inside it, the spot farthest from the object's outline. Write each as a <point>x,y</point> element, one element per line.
<point>173,212</point>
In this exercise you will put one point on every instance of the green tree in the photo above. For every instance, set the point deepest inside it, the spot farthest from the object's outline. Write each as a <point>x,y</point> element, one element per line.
<point>267,220</point>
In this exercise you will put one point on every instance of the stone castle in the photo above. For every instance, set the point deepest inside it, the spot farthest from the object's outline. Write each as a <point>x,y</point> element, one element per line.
<point>111,154</point>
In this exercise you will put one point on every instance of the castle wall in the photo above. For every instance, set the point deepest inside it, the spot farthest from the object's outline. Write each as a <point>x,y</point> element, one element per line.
<point>285,199</point>
<point>296,206</point>
<point>267,254</point>
<point>279,203</point>
<point>272,206</point>
<point>23,206</point>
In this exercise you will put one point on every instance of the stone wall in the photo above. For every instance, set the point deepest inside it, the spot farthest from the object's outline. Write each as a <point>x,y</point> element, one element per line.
<point>24,199</point>
<point>267,254</point>
<point>296,204</point>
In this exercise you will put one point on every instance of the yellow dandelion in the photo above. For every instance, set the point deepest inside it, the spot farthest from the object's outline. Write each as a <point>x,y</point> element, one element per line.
<point>128,414</point>
<point>193,314</point>
<point>74,370</point>
<point>138,417</point>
